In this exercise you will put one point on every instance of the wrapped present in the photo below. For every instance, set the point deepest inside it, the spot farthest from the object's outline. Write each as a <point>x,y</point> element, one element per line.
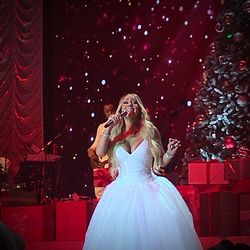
<point>33,223</point>
<point>198,172</point>
<point>206,172</point>
<point>72,219</point>
<point>237,169</point>
<point>91,205</point>
<point>18,198</point>
<point>212,188</point>
<point>191,196</point>
<point>242,186</point>
<point>102,177</point>
<point>219,214</point>
<point>245,214</point>
<point>217,173</point>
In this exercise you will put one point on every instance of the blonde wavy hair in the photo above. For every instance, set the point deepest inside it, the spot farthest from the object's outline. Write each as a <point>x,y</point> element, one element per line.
<point>147,130</point>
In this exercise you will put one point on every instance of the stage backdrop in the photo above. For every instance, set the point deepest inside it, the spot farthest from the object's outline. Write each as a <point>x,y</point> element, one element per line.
<point>21,91</point>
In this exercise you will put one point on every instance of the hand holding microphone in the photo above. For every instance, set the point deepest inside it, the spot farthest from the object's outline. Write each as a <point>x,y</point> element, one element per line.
<point>114,118</point>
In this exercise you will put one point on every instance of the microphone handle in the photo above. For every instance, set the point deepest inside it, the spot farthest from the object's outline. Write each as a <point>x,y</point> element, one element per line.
<point>123,113</point>
<point>108,124</point>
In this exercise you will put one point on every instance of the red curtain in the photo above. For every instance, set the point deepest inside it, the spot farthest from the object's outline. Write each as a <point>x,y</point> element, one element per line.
<point>21,92</point>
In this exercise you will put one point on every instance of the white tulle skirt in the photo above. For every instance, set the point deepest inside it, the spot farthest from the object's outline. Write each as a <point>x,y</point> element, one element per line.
<point>142,216</point>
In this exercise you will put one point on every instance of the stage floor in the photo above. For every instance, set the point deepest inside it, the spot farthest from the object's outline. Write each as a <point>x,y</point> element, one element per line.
<point>207,242</point>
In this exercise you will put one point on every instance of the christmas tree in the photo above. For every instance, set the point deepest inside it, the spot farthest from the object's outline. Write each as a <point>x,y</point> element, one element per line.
<point>221,128</point>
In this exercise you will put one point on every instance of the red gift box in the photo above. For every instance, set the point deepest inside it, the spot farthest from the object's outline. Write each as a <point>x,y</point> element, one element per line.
<point>18,198</point>
<point>219,214</point>
<point>237,169</point>
<point>91,205</point>
<point>191,197</point>
<point>217,173</point>
<point>72,218</point>
<point>102,177</point>
<point>33,223</point>
<point>212,188</point>
<point>242,186</point>
<point>202,172</point>
<point>197,172</point>
<point>245,214</point>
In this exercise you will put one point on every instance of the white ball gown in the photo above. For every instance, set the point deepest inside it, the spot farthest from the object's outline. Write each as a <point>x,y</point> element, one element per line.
<point>140,211</point>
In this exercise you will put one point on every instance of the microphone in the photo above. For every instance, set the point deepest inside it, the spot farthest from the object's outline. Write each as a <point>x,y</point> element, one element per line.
<point>50,142</point>
<point>122,114</point>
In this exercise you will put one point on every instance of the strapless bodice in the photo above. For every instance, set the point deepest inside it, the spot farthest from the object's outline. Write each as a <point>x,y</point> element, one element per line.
<point>135,166</point>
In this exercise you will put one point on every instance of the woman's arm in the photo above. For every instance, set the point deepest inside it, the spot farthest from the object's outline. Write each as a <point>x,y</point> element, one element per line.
<point>103,143</point>
<point>173,145</point>
<point>104,140</point>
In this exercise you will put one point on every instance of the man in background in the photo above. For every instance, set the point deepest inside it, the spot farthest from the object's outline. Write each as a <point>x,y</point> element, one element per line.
<point>100,164</point>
